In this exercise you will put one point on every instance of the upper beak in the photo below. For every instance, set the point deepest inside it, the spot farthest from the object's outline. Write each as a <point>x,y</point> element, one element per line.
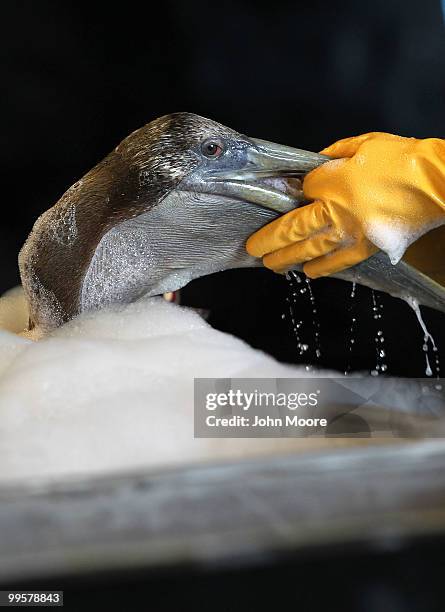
<point>270,160</point>
<point>265,161</point>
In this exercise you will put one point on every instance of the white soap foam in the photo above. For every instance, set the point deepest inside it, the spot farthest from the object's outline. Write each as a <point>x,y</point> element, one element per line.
<point>113,390</point>
<point>394,236</point>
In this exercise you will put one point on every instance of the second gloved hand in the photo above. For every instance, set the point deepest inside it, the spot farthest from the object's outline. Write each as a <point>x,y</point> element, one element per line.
<point>383,192</point>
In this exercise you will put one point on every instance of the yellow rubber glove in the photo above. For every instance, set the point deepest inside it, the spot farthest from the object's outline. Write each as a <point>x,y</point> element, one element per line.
<point>384,192</point>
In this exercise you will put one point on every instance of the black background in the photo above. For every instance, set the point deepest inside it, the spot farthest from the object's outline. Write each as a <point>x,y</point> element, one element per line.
<point>77,78</point>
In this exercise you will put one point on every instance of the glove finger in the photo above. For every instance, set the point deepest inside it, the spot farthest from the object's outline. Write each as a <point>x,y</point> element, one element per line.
<point>296,225</point>
<point>283,259</point>
<point>347,147</point>
<point>339,259</point>
<point>324,179</point>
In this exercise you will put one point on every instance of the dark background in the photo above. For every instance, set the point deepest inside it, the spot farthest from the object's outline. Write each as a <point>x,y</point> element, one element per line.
<point>77,78</point>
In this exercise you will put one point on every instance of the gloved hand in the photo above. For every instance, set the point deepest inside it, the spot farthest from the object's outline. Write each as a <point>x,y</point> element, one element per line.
<point>384,193</point>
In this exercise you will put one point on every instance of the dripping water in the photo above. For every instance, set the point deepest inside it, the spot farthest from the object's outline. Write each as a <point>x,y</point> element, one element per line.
<point>427,339</point>
<point>295,281</point>
<point>379,339</point>
<point>296,288</point>
<point>352,328</point>
<point>315,320</point>
<point>296,325</point>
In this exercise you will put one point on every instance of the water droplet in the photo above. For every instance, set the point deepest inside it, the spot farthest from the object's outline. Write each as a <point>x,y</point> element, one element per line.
<point>351,329</point>
<point>379,338</point>
<point>294,293</point>
<point>427,338</point>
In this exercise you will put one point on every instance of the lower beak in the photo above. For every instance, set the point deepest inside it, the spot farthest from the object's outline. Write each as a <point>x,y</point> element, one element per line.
<point>271,177</point>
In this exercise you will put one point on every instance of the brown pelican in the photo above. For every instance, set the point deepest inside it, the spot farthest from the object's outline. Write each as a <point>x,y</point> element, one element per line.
<point>175,200</point>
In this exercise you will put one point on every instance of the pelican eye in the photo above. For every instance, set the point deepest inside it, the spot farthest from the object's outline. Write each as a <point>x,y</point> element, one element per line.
<point>212,148</point>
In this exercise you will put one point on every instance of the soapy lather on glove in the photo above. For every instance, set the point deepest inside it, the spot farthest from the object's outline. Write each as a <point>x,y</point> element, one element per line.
<point>380,191</point>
